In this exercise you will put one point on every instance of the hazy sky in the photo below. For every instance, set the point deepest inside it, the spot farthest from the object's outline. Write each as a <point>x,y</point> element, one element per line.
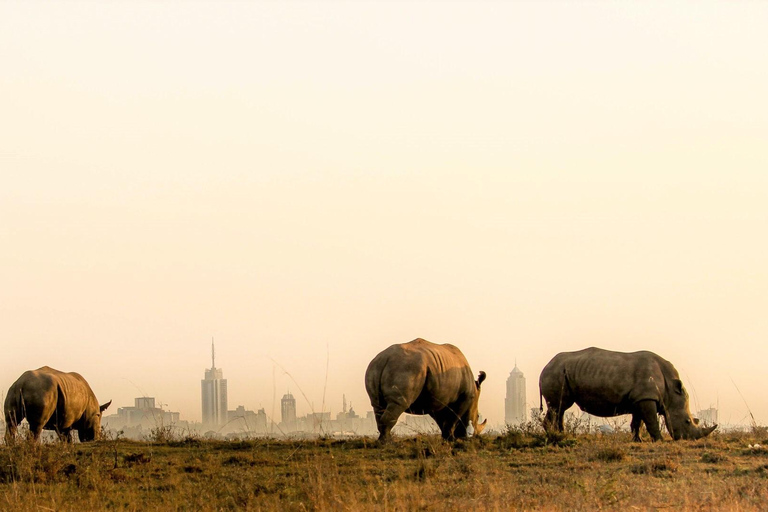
<point>311,182</point>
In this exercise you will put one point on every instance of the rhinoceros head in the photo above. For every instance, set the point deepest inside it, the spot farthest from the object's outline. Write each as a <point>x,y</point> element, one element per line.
<point>91,427</point>
<point>680,423</point>
<point>473,410</point>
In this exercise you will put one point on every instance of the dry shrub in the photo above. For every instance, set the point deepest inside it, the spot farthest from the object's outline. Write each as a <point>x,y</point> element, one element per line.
<point>533,435</point>
<point>517,437</point>
<point>162,434</point>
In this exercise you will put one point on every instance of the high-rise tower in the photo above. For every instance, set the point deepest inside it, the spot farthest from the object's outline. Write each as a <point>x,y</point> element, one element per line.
<point>514,404</point>
<point>214,393</point>
<point>288,409</point>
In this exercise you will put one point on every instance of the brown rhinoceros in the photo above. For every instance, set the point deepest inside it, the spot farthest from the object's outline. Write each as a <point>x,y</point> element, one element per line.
<point>53,400</point>
<point>420,377</point>
<point>606,383</point>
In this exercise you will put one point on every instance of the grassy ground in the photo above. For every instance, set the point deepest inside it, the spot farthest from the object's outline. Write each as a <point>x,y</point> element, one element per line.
<point>520,470</point>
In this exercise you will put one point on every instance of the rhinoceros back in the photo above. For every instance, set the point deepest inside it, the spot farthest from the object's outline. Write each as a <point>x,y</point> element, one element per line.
<point>604,382</point>
<point>419,373</point>
<point>49,397</point>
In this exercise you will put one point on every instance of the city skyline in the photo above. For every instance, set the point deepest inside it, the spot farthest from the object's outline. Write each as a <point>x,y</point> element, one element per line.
<point>516,411</point>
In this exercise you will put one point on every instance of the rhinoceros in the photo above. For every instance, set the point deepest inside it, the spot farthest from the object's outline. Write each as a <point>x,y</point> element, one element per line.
<point>606,383</point>
<point>53,400</point>
<point>420,377</point>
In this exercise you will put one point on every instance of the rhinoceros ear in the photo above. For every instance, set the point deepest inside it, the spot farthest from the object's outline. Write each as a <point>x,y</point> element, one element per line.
<point>480,378</point>
<point>677,385</point>
<point>103,408</point>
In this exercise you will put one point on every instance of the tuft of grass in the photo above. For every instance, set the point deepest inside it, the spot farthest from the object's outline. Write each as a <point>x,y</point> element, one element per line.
<point>760,431</point>
<point>533,435</point>
<point>713,457</point>
<point>760,450</point>
<point>609,454</point>
<point>561,439</point>
<point>27,461</point>
<point>660,468</point>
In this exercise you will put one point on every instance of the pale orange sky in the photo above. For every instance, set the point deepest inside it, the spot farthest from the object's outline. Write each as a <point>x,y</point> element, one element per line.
<point>312,181</point>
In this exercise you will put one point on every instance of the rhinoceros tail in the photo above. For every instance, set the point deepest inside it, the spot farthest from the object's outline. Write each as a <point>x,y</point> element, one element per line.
<point>373,387</point>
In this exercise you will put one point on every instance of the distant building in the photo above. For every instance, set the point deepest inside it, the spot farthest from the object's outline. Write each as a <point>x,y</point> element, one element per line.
<point>288,409</point>
<point>347,422</point>
<point>243,421</point>
<point>214,396</point>
<point>514,404</point>
<point>139,421</point>
<point>317,422</point>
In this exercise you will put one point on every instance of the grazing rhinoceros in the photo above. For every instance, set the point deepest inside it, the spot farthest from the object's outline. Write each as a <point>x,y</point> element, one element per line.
<point>424,378</point>
<point>606,383</point>
<point>53,400</point>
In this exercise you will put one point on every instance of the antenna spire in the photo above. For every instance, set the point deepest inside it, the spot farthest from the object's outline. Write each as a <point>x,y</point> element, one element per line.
<point>213,355</point>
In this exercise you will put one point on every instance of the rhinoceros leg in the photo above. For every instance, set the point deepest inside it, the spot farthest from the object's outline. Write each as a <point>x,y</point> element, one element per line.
<point>637,420</point>
<point>11,423</point>
<point>460,430</point>
<point>387,418</point>
<point>35,430</point>
<point>550,419</point>
<point>648,411</point>
<point>447,419</point>
<point>14,414</point>
<point>66,436</point>
<point>556,413</point>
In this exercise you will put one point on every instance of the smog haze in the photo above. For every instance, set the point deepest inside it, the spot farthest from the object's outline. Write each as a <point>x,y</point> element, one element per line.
<point>309,183</point>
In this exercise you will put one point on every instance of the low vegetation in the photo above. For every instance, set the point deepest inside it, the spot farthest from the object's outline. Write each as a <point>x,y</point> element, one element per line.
<point>520,469</point>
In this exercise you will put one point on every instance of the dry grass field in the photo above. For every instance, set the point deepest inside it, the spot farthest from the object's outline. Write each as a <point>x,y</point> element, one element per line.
<point>520,470</point>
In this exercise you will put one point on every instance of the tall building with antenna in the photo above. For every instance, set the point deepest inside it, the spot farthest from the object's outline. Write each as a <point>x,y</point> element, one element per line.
<point>214,395</point>
<point>288,409</point>
<point>514,404</point>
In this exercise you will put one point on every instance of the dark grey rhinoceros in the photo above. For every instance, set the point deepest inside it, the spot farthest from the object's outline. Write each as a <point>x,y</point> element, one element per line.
<point>53,400</point>
<point>606,383</point>
<point>420,377</point>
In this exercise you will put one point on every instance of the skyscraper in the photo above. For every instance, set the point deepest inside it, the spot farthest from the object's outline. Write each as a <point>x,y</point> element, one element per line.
<point>288,409</point>
<point>514,404</point>
<point>214,393</point>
